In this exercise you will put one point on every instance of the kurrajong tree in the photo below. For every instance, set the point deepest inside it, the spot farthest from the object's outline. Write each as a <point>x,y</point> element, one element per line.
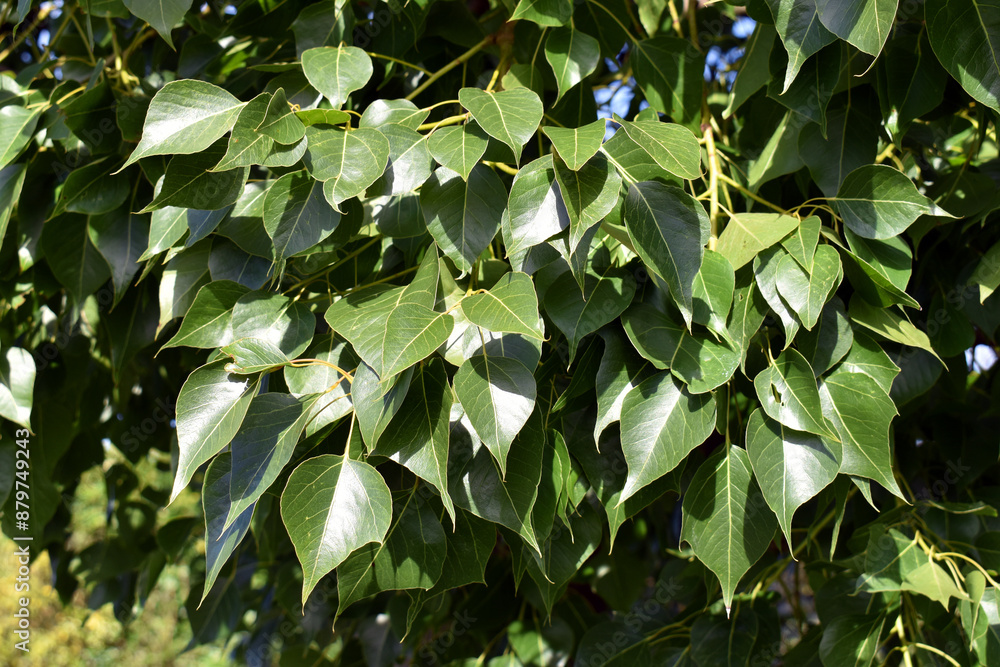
<point>373,321</point>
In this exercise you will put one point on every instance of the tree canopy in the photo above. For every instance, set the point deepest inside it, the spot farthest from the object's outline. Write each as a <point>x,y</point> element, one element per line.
<point>511,332</point>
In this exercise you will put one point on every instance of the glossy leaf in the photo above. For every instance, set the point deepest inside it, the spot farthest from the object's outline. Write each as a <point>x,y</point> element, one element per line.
<point>747,234</point>
<point>498,395</point>
<point>458,148</point>
<point>669,229</point>
<point>463,215</point>
<point>807,293</point>
<point>790,466</point>
<point>963,34</point>
<point>726,519</point>
<point>605,297</point>
<point>788,393</point>
<point>511,116</point>
<point>878,202</point>
<point>573,56</point>
<point>417,437</point>
<point>333,506</point>
<point>336,71</point>
<point>210,409</point>
<point>511,306</point>
<point>576,146</point>
<point>347,161</point>
<point>186,117</point>
<point>672,146</point>
<point>661,424</point>
<point>864,434</point>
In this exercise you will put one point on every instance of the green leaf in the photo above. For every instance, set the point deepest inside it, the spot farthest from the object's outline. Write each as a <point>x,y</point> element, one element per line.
<point>332,506</point>
<point>578,144</point>
<point>889,324</point>
<point>182,277</point>
<point>850,142</point>
<point>210,409</point>
<point>221,536</point>
<point>336,71</point>
<point>120,237</point>
<point>412,556</point>
<point>11,181</point>
<point>91,190</point>
<point>765,267</point>
<point>511,306</point>
<point>788,394</point>
<point>409,164</point>
<point>161,15</point>
<point>861,412</point>
<point>384,112</point>
<point>417,437</point>
<point>605,297</point>
<point>249,146</point>
<point>296,215</point>
<point>669,230</point>
<point>536,210</point>
<point>17,383</point>
<point>72,257</point>
<point>790,466</point>
<point>544,12</point>
<point>661,424</point>
<point>619,372</point>
<point>280,122</point>
<point>17,125</point>
<point>348,161</point>
<point>387,329</point>
<point>864,24</point>
<point>851,640</point>
<point>458,148</point>
<point>865,356</point>
<point>875,278</point>
<point>747,234</point>
<point>185,117</point>
<point>253,355</point>
<point>669,70</point>
<point>754,72</point>
<point>285,323</point>
<point>725,518</point>
<point>498,395</point>
<point>511,116</point>
<point>189,182</point>
<point>462,215</point>
<point>325,23</point>
<point>747,314</point>
<point>563,553</point>
<point>335,399</point>
<point>672,146</point>
<point>807,293</point>
<point>801,244</point>
<point>701,363</point>
<point>965,36</point>
<point>879,202</point>
<point>376,401</point>
<point>831,338</point>
<point>209,321</point>
<point>588,193</point>
<point>801,32</point>
<point>713,292</point>
<point>573,56</point>
<point>476,484</point>
<point>263,446</point>
<point>310,117</point>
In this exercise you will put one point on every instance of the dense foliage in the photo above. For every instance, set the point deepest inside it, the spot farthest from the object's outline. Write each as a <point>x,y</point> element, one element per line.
<point>462,373</point>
